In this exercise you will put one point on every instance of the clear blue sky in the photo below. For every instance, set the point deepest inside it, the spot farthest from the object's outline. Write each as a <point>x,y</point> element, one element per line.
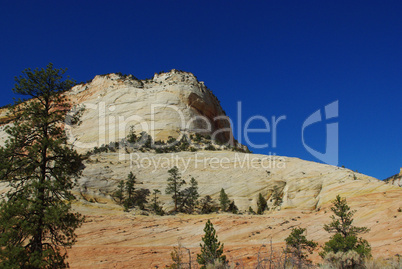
<point>276,57</point>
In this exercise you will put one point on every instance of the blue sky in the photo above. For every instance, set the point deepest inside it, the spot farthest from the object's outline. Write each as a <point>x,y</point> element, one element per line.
<point>278,58</point>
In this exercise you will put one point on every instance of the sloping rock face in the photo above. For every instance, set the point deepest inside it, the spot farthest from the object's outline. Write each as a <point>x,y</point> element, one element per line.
<point>170,104</point>
<point>113,238</point>
<point>298,184</point>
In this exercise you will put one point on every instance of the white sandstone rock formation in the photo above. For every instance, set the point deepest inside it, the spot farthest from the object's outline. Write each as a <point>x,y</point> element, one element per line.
<point>172,104</point>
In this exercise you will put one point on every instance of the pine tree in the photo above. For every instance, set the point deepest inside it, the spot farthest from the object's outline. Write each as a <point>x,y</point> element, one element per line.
<point>174,186</point>
<point>345,236</point>
<point>212,249</point>
<point>261,204</point>
<point>193,193</point>
<point>36,220</point>
<point>189,197</point>
<point>119,194</point>
<point>233,208</point>
<point>131,137</point>
<point>224,200</point>
<point>156,207</point>
<point>140,198</point>
<point>129,201</point>
<point>297,244</point>
<point>207,205</point>
<point>130,185</point>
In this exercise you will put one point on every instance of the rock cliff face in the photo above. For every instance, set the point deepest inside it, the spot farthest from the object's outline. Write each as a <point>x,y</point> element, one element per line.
<point>170,104</point>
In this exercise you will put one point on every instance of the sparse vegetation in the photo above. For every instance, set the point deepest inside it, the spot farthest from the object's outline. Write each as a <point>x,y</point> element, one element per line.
<point>144,142</point>
<point>177,257</point>
<point>128,196</point>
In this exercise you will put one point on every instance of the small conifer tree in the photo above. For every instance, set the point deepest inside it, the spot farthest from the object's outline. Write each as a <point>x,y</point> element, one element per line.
<point>224,200</point>
<point>211,249</point>
<point>119,194</point>
<point>261,204</point>
<point>156,207</point>
<point>345,236</point>
<point>233,208</point>
<point>297,245</point>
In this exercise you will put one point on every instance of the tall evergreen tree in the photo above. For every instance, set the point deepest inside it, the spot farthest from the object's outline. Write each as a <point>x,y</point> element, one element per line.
<point>130,185</point>
<point>36,220</point>
<point>129,201</point>
<point>212,249</point>
<point>345,236</point>
<point>224,200</point>
<point>174,186</point>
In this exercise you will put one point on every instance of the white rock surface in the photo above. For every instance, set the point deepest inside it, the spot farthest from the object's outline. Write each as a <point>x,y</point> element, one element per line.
<point>303,185</point>
<point>168,105</point>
